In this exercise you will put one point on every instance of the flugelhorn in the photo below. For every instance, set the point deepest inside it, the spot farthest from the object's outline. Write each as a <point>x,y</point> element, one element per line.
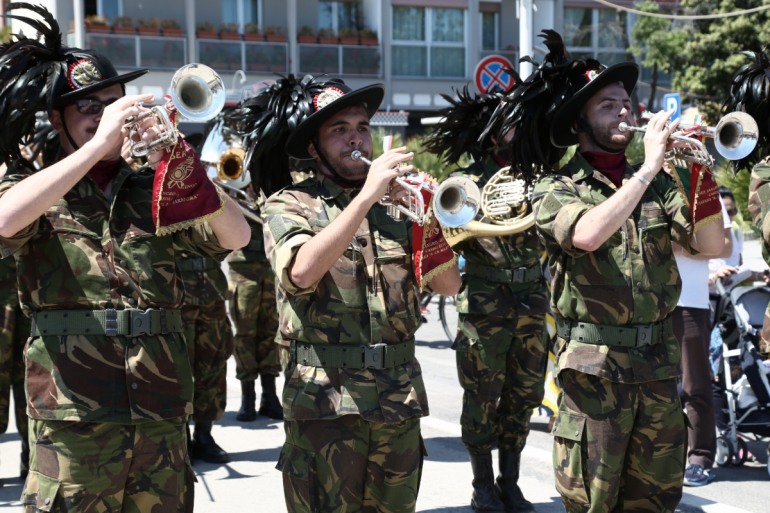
<point>412,207</point>
<point>197,93</point>
<point>735,137</point>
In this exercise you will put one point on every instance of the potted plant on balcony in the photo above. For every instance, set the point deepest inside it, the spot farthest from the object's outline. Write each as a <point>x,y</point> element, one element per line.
<point>149,26</point>
<point>123,25</point>
<point>96,23</point>
<point>368,37</point>
<point>275,33</point>
<point>205,30</point>
<point>171,27</point>
<point>251,32</point>
<point>327,36</point>
<point>306,34</point>
<point>229,31</point>
<point>348,36</point>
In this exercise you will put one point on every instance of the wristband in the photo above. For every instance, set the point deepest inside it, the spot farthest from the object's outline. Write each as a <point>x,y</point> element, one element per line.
<point>641,178</point>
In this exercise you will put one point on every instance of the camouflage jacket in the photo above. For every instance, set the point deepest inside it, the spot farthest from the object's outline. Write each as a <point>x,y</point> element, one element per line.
<point>9,294</point>
<point>631,279</point>
<point>88,253</point>
<point>489,261</point>
<point>369,296</point>
<point>203,280</point>
<point>241,260</point>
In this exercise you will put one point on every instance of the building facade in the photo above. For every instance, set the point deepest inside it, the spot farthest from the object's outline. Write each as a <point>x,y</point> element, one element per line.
<point>417,48</point>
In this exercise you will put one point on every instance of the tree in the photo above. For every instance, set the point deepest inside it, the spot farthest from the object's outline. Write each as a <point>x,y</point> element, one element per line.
<point>659,46</point>
<point>710,53</point>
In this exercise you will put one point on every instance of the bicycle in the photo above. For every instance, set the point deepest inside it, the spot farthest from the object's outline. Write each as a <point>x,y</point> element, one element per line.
<point>447,312</point>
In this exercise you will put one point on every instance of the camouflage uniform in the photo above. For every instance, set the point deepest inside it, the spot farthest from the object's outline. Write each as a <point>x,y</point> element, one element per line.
<point>339,390</point>
<point>620,439</point>
<point>759,207</point>
<point>207,331</point>
<point>502,343</point>
<point>14,331</point>
<point>255,317</point>
<point>84,268</point>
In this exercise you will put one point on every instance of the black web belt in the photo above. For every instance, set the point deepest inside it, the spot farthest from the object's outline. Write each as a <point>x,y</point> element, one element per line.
<point>493,274</point>
<point>131,322</point>
<point>377,356</point>
<point>630,335</point>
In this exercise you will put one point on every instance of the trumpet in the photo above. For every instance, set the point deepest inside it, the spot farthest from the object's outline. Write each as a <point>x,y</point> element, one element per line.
<point>412,207</point>
<point>230,164</point>
<point>197,93</point>
<point>735,137</point>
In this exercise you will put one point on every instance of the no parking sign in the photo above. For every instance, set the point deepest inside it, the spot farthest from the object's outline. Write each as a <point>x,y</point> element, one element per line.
<point>491,74</point>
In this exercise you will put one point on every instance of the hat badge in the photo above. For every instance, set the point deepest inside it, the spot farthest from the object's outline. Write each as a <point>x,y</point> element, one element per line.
<point>83,73</point>
<point>327,96</point>
<point>591,74</point>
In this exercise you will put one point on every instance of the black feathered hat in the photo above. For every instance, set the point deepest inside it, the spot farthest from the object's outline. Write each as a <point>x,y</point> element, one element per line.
<point>40,74</point>
<point>750,93</point>
<point>270,116</point>
<point>328,101</point>
<point>542,109</point>
<point>465,126</point>
<point>563,133</point>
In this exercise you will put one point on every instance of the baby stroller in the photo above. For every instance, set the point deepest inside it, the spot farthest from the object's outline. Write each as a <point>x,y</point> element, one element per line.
<point>744,375</point>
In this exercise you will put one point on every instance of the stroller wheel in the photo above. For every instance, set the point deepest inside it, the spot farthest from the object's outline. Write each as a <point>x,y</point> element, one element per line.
<point>724,453</point>
<point>741,454</point>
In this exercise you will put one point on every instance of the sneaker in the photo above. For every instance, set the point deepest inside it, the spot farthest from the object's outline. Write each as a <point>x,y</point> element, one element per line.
<point>696,475</point>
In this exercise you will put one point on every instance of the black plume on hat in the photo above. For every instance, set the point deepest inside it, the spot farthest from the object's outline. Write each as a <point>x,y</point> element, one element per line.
<point>529,109</point>
<point>41,74</point>
<point>463,126</point>
<point>750,93</point>
<point>267,119</point>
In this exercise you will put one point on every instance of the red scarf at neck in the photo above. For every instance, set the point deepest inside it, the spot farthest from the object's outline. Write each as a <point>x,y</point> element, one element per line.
<point>611,165</point>
<point>104,171</point>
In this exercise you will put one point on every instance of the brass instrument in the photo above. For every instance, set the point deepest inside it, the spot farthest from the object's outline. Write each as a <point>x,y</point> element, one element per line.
<point>230,164</point>
<point>504,204</point>
<point>242,199</point>
<point>197,93</point>
<point>735,136</point>
<point>412,207</point>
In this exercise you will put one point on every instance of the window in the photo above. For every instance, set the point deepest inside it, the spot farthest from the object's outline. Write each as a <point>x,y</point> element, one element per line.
<point>340,15</point>
<point>233,11</point>
<point>489,31</point>
<point>108,8</point>
<point>429,42</point>
<point>584,38</point>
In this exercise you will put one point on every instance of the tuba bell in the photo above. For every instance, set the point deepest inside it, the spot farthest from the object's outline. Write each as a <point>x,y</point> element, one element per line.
<point>504,203</point>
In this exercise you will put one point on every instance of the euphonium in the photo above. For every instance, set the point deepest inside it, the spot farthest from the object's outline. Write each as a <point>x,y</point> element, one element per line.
<point>735,136</point>
<point>197,93</point>
<point>504,205</point>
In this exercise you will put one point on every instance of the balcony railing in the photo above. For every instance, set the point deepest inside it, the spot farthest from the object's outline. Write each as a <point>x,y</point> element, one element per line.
<point>339,59</point>
<point>170,53</point>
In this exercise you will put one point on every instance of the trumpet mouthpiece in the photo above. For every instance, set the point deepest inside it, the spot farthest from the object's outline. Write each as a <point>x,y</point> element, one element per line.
<point>356,155</point>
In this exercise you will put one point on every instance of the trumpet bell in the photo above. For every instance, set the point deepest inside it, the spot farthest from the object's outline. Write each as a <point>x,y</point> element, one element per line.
<point>197,92</point>
<point>230,165</point>
<point>736,135</point>
<point>457,201</point>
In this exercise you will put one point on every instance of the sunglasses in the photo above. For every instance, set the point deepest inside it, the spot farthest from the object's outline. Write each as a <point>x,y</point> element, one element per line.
<point>92,106</point>
<point>731,212</point>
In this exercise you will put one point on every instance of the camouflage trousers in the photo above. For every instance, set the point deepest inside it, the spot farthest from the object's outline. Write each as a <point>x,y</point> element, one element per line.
<point>209,339</point>
<point>618,447</point>
<point>83,467</point>
<point>347,465</point>
<point>501,366</point>
<point>255,317</point>
<point>14,331</point>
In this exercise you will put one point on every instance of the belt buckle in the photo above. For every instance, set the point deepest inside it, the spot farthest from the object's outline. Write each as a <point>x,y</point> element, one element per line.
<point>644,334</point>
<point>141,322</point>
<point>374,356</point>
<point>111,322</point>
